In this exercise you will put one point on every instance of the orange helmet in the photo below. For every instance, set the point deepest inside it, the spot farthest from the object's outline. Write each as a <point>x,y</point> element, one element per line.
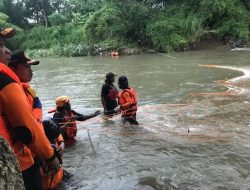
<point>61,100</point>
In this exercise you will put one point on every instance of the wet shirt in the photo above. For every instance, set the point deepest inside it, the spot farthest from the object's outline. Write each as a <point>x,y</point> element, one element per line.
<point>60,117</point>
<point>109,94</point>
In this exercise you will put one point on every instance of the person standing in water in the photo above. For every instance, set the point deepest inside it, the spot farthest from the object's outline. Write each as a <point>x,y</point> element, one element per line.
<point>66,118</point>
<point>109,94</point>
<point>127,101</point>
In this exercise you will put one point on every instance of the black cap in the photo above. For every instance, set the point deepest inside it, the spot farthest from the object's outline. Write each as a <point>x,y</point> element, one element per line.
<point>110,75</point>
<point>7,33</point>
<point>18,57</point>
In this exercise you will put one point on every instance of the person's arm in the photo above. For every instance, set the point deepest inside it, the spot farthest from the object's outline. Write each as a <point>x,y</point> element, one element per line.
<point>21,118</point>
<point>58,118</point>
<point>61,146</point>
<point>81,117</point>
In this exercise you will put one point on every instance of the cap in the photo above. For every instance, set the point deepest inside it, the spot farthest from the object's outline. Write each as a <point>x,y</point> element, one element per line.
<point>7,33</point>
<point>61,100</point>
<point>110,75</point>
<point>18,57</point>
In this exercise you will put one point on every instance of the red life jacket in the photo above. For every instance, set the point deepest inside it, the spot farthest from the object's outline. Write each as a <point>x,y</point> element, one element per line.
<point>113,93</point>
<point>127,111</point>
<point>69,129</point>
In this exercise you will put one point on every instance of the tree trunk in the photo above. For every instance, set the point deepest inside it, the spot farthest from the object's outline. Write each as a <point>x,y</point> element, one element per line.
<point>10,175</point>
<point>45,17</point>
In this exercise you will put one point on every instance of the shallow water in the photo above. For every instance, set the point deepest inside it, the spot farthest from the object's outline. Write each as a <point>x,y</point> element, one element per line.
<point>190,136</point>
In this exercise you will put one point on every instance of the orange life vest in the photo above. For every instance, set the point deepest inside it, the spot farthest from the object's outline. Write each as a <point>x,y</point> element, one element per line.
<point>21,151</point>
<point>34,101</point>
<point>51,182</point>
<point>4,131</point>
<point>69,129</point>
<point>132,108</point>
<point>8,120</point>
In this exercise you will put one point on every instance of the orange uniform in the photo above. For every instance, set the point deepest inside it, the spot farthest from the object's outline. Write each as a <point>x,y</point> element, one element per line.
<point>128,102</point>
<point>49,182</point>
<point>18,124</point>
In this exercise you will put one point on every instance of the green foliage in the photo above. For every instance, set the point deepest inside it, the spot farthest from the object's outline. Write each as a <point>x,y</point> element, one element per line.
<point>230,18</point>
<point>3,18</point>
<point>66,40</point>
<point>42,37</point>
<point>70,50</point>
<point>57,19</point>
<point>103,25</point>
<point>169,31</point>
<point>164,25</point>
<point>235,30</point>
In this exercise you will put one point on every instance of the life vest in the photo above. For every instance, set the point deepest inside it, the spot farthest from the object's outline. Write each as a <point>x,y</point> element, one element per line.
<point>113,93</point>
<point>21,117</point>
<point>4,129</point>
<point>34,101</point>
<point>115,53</point>
<point>21,151</point>
<point>69,129</point>
<point>132,108</point>
<point>51,182</point>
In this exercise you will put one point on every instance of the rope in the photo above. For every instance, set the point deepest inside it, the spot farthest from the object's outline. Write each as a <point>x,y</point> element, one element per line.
<point>91,144</point>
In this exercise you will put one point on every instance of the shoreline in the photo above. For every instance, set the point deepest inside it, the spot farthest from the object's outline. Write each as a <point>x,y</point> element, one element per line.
<point>210,43</point>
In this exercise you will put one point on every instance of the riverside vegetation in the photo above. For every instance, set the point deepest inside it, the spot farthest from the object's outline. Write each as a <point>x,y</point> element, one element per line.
<point>78,28</point>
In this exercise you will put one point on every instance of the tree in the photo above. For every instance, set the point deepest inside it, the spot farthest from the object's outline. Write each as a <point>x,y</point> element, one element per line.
<point>39,10</point>
<point>15,11</point>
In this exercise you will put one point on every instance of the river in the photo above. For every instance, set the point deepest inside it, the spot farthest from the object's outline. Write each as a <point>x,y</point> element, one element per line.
<point>194,120</point>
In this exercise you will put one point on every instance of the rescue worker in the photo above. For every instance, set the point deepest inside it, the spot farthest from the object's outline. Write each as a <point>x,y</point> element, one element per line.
<point>21,65</point>
<point>18,125</point>
<point>109,94</point>
<point>127,101</point>
<point>66,118</point>
<point>53,131</point>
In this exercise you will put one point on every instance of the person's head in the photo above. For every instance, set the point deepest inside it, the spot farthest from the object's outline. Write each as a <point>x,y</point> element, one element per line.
<point>110,78</point>
<point>62,103</point>
<point>51,129</point>
<point>123,82</point>
<point>21,65</point>
<point>4,51</point>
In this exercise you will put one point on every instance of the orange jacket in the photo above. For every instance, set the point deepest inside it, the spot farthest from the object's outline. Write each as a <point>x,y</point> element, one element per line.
<point>50,182</point>
<point>128,101</point>
<point>34,101</point>
<point>17,116</point>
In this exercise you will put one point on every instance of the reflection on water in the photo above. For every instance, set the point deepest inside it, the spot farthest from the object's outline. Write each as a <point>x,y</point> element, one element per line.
<point>190,136</point>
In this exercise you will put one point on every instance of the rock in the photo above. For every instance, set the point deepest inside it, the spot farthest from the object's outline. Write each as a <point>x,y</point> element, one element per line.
<point>10,175</point>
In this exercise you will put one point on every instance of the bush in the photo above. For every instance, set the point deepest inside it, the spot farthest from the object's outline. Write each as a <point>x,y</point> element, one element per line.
<point>70,50</point>
<point>103,25</point>
<point>57,19</point>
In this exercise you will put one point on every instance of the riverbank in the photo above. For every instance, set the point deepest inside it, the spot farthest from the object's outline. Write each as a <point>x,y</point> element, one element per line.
<point>83,50</point>
<point>209,40</point>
